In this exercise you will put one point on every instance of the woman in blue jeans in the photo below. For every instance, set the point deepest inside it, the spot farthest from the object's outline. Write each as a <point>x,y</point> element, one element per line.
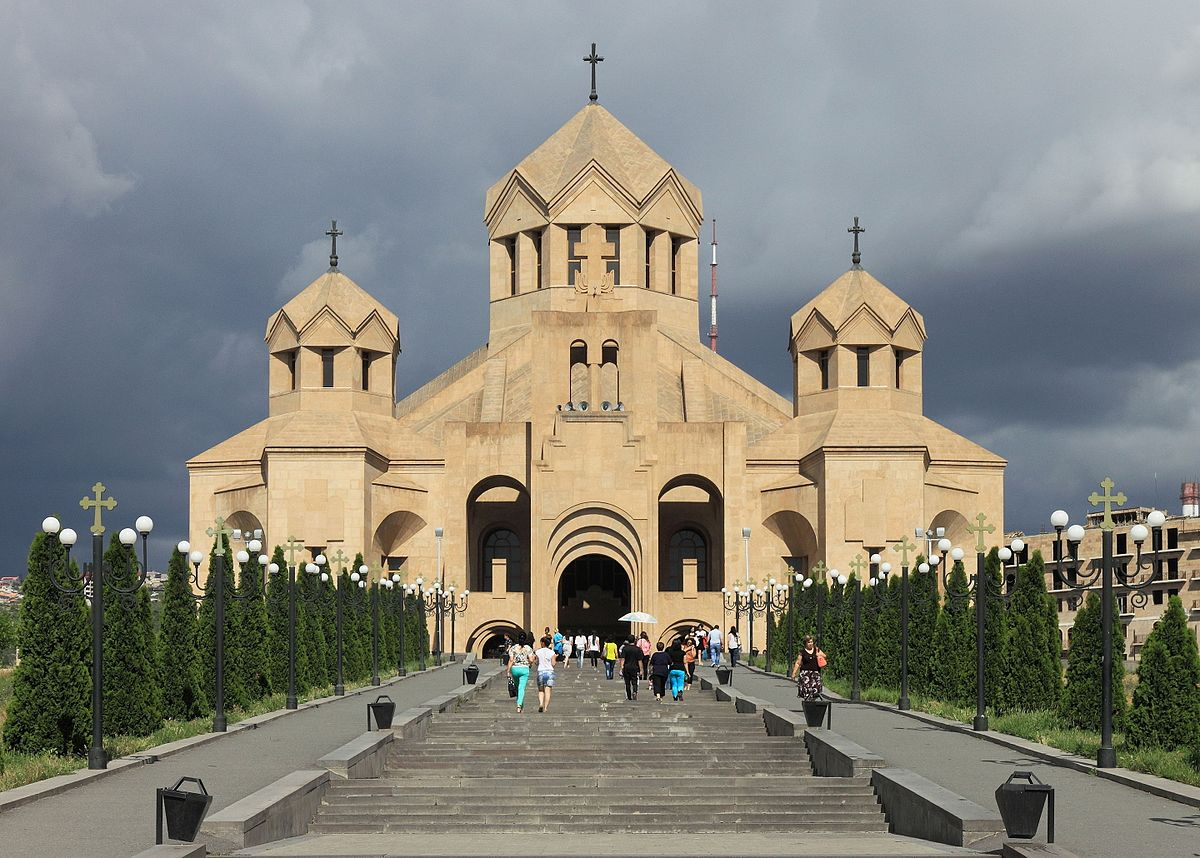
<point>519,659</point>
<point>678,674</point>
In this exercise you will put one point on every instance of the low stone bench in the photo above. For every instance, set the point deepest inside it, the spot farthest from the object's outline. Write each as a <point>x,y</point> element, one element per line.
<point>278,810</point>
<point>364,757</point>
<point>835,756</point>
<point>783,722</point>
<point>174,850</point>
<point>917,807</point>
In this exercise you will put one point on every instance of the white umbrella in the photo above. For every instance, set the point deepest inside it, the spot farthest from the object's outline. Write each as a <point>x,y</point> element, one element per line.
<point>637,617</point>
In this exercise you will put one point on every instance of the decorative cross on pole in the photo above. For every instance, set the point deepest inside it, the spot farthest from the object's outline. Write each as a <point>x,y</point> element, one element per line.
<point>1108,500</point>
<point>857,565</point>
<point>905,548</point>
<point>98,502</point>
<point>856,257</point>
<point>333,232</point>
<point>593,59</point>
<point>292,547</point>
<point>981,529</point>
<point>377,570</point>
<point>339,560</point>
<point>220,533</point>
<point>818,571</point>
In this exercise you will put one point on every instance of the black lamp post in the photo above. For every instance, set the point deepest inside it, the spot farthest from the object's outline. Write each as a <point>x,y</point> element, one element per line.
<point>805,583</point>
<point>340,559</point>
<point>292,547</point>
<point>880,569</point>
<point>429,604</point>
<point>364,572</point>
<point>454,605</point>
<point>405,591</point>
<point>1106,756</point>
<point>96,575</point>
<point>733,601</point>
<point>439,585</point>
<point>855,605</point>
<point>220,534</point>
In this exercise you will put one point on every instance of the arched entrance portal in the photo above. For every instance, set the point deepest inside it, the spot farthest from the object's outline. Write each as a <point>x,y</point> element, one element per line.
<point>593,591</point>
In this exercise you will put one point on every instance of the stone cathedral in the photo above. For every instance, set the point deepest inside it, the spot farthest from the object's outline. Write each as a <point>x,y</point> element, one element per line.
<point>593,456</point>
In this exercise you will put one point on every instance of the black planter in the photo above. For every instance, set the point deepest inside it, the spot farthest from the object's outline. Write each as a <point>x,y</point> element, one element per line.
<point>470,674</point>
<point>1021,805</point>
<point>815,712</point>
<point>383,710</point>
<point>184,811</point>
<point>724,675</point>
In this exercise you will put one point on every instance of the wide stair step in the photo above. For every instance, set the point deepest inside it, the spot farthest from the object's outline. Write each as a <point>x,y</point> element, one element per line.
<point>596,764</point>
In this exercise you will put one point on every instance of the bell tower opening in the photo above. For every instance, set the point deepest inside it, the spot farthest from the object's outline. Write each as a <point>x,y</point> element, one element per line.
<point>593,592</point>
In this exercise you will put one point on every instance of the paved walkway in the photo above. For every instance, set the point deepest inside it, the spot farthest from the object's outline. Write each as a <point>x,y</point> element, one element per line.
<point>1094,817</point>
<point>114,817</point>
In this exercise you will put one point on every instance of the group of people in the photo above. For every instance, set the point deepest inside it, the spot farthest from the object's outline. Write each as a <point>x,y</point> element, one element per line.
<point>664,668</point>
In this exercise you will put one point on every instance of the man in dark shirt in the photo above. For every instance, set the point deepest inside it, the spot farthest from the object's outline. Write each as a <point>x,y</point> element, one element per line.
<point>631,666</point>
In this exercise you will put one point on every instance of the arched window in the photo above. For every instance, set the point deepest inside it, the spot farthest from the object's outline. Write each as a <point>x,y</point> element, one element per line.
<point>502,544</point>
<point>685,544</point>
<point>610,388</point>
<point>579,372</point>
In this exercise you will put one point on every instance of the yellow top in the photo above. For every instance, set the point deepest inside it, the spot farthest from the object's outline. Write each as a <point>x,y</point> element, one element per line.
<point>610,651</point>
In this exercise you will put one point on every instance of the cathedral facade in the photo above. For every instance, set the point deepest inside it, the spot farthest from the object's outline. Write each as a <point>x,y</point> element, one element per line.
<point>593,457</point>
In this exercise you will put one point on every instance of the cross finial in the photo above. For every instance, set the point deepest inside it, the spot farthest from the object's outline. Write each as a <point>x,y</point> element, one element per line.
<point>293,546</point>
<point>857,565</point>
<point>1108,500</point>
<point>339,560</point>
<point>818,571</point>
<point>593,59</point>
<point>981,528</point>
<point>857,230</point>
<point>333,232</point>
<point>98,502</point>
<point>904,547</point>
<point>220,533</point>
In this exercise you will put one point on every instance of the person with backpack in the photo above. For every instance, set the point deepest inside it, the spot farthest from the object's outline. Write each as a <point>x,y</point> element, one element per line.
<point>519,659</point>
<point>660,666</point>
<point>631,665</point>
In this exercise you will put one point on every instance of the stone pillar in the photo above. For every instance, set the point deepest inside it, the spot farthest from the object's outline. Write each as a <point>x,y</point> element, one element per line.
<point>498,270</point>
<point>499,578</point>
<point>526,263</point>
<point>690,577</point>
<point>554,256</point>
<point>660,262</point>
<point>686,271</point>
<point>633,256</point>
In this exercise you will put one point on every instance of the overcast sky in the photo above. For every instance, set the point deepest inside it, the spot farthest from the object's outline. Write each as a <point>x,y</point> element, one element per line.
<point>1028,175</point>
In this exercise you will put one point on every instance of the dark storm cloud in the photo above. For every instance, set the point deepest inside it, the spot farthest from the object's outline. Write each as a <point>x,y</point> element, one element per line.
<point>1028,176</point>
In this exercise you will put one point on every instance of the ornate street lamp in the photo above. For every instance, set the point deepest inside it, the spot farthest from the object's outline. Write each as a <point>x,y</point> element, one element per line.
<point>429,603</point>
<point>881,569</point>
<point>842,581</point>
<point>454,605</point>
<point>440,586</point>
<point>1106,757</point>
<point>220,535</point>
<point>406,590</point>
<point>292,547</point>
<point>794,579</point>
<point>96,575</point>
<point>361,578</point>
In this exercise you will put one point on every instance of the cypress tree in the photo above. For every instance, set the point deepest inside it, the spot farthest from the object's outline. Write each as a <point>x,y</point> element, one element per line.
<point>924,607</point>
<point>1166,702</point>
<point>1081,699</point>
<point>311,644</point>
<point>954,644</point>
<point>276,652</point>
<point>8,636</point>
<point>132,700</point>
<point>999,673</point>
<point>51,704</point>
<point>177,674</point>
<point>1034,666</point>
<point>869,631</point>
<point>328,603</point>
<point>836,616</point>
<point>235,692</point>
<point>253,666</point>
<point>887,635</point>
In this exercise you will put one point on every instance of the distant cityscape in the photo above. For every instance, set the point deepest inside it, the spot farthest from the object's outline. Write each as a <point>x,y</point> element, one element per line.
<point>10,588</point>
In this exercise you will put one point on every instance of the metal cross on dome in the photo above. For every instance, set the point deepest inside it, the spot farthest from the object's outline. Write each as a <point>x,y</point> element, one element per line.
<point>857,230</point>
<point>593,59</point>
<point>1108,500</point>
<point>333,232</point>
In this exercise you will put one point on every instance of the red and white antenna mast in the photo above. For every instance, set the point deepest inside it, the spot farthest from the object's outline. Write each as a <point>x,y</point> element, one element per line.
<point>712,329</point>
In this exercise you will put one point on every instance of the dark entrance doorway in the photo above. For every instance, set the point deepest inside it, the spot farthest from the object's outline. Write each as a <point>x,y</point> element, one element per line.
<point>593,591</point>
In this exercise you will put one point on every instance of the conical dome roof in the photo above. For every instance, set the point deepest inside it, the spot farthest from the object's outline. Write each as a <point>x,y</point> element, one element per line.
<point>333,293</point>
<point>592,134</point>
<point>845,297</point>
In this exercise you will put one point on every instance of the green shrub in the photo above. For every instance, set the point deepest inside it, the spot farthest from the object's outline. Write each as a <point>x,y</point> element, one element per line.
<point>1081,698</point>
<point>1166,702</point>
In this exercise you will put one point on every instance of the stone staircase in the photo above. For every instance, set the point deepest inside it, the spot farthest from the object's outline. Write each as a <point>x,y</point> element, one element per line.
<point>596,764</point>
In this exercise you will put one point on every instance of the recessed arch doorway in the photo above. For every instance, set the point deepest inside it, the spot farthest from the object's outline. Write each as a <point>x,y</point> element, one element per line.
<point>593,591</point>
